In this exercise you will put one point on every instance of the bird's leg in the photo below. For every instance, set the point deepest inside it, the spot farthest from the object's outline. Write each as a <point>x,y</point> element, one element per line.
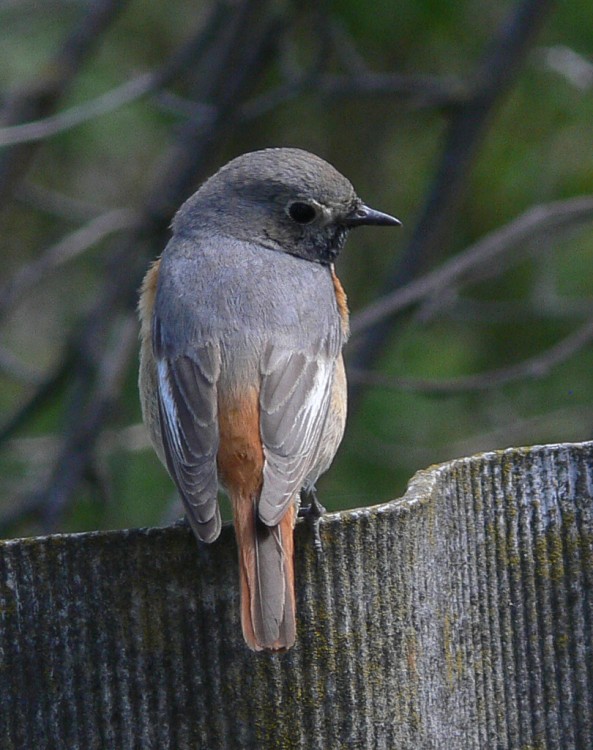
<point>312,514</point>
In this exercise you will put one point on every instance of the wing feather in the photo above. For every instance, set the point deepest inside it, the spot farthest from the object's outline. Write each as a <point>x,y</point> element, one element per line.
<point>294,403</point>
<point>189,415</point>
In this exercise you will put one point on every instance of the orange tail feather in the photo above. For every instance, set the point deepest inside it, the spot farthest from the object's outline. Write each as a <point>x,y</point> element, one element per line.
<point>266,568</point>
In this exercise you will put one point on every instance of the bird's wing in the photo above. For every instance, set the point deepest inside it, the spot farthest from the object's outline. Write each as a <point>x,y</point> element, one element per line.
<point>187,396</point>
<point>294,401</point>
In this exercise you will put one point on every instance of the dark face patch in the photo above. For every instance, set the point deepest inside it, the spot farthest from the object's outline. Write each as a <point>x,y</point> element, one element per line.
<point>323,245</point>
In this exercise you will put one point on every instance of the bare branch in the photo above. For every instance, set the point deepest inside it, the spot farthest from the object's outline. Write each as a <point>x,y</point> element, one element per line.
<point>108,102</point>
<point>417,90</point>
<point>243,44</point>
<point>346,51</point>
<point>12,367</point>
<point>127,92</point>
<point>74,459</point>
<point>76,455</point>
<point>297,83</point>
<point>57,204</point>
<point>41,448</point>
<point>42,98</point>
<point>421,91</point>
<point>68,248</point>
<point>467,127</point>
<point>575,68</point>
<point>46,390</point>
<point>40,451</point>
<point>481,260</point>
<point>537,309</point>
<point>197,111</point>
<point>566,424</point>
<point>535,367</point>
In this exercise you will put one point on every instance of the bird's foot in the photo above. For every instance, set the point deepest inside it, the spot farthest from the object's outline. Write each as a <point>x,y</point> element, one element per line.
<point>312,514</point>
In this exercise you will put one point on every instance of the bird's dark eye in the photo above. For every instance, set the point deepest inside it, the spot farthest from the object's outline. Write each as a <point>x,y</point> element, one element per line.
<point>302,213</point>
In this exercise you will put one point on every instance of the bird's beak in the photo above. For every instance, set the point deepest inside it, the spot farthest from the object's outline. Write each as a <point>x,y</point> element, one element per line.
<point>363,215</point>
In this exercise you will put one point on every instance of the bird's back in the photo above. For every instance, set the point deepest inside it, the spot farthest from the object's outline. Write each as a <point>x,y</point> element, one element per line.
<point>220,288</point>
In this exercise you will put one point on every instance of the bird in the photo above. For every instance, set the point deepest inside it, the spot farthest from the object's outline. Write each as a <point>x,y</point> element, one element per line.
<point>242,380</point>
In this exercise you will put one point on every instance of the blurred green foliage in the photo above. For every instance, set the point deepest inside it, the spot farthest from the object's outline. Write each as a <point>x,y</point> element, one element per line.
<point>538,148</point>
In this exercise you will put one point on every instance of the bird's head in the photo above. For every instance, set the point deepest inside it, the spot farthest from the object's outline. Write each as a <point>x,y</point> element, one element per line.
<point>285,199</point>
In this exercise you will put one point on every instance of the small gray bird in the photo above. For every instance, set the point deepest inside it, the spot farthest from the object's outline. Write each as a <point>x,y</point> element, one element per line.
<point>242,380</point>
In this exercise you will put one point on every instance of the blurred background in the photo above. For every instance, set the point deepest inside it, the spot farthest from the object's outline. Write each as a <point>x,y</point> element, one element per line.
<point>470,121</point>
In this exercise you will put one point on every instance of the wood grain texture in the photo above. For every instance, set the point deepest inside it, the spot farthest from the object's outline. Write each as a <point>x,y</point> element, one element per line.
<point>457,617</point>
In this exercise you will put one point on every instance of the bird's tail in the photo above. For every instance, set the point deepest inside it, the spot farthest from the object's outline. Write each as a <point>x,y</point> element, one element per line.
<point>266,569</point>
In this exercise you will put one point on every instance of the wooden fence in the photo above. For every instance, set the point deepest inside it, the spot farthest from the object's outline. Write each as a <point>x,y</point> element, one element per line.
<point>457,617</point>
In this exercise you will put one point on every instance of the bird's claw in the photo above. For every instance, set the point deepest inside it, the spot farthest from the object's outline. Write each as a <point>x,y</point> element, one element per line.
<point>312,514</point>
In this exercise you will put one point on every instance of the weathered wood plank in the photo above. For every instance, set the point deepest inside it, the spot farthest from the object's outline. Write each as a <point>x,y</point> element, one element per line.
<point>457,617</point>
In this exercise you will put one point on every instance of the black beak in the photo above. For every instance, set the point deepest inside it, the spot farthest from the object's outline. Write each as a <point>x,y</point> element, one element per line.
<point>363,215</point>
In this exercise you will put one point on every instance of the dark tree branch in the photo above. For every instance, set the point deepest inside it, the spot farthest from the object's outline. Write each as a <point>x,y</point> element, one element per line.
<point>299,82</point>
<point>480,261</point>
<point>125,93</point>
<point>46,390</point>
<point>535,309</point>
<point>83,427</point>
<point>73,210</point>
<point>242,44</point>
<point>66,249</point>
<point>221,65</point>
<point>466,129</point>
<point>38,130</point>
<point>534,367</point>
<point>42,98</point>
<point>347,53</point>
<point>416,90</point>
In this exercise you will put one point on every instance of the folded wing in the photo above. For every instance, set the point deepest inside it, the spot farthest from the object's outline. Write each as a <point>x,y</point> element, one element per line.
<point>294,401</point>
<point>189,418</point>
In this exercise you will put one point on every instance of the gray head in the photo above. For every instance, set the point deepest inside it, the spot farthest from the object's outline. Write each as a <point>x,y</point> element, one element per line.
<point>282,198</point>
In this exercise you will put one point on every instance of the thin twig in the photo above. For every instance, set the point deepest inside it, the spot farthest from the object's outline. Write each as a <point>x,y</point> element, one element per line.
<point>242,51</point>
<point>467,126</point>
<point>40,449</point>
<point>52,202</point>
<point>535,368</point>
<point>299,83</point>
<point>12,367</point>
<point>535,309</point>
<point>422,91</point>
<point>46,390</point>
<point>73,462</point>
<point>345,47</point>
<point>77,450</point>
<point>564,424</point>
<point>126,93</point>
<point>42,98</point>
<point>68,248</point>
<point>567,423</point>
<point>480,259</point>
<point>419,91</point>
